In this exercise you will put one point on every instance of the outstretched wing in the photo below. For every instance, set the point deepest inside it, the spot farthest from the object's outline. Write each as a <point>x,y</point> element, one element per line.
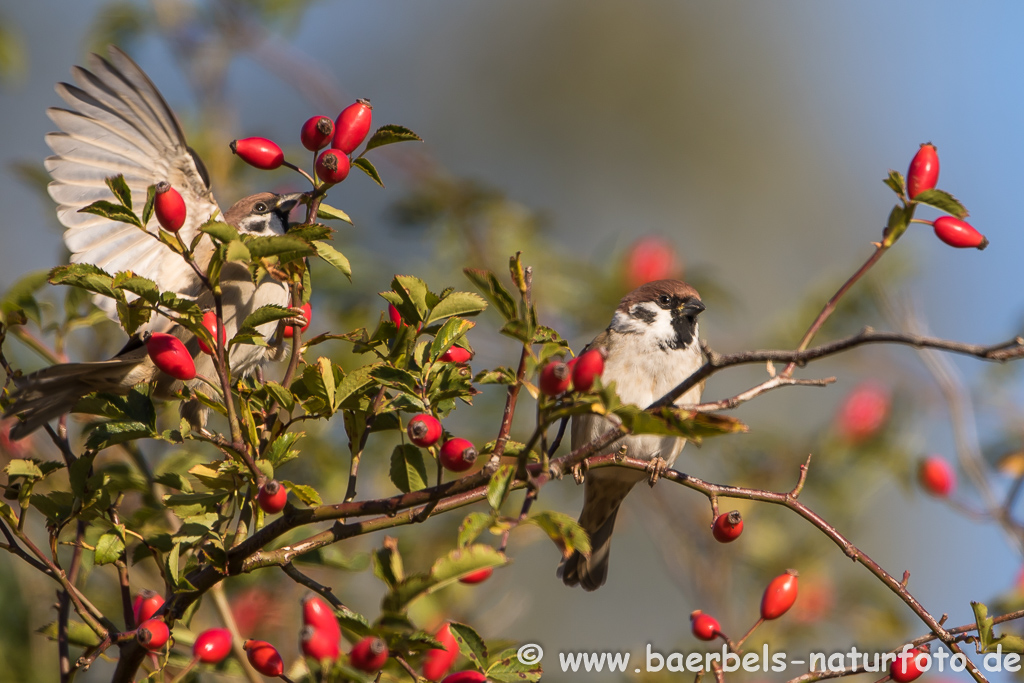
<point>119,123</point>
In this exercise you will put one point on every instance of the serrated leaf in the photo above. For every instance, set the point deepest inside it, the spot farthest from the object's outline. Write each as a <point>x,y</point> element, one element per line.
<point>354,381</point>
<point>500,375</point>
<point>498,486</point>
<point>414,294</point>
<point>390,134</point>
<point>367,167</point>
<point>265,314</point>
<point>457,304</point>
<point>109,548</point>
<point>895,181</point>
<point>112,211</point>
<point>133,315</point>
<point>307,494</point>
<point>450,332</point>
<point>984,622</point>
<point>332,214</point>
<point>943,201</point>
<point>280,394</point>
<point>565,531</point>
<point>136,284</point>
<point>334,257</point>
<point>275,245</point>
<point>195,504</point>
<point>470,644</point>
<point>505,667</point>
<point>472,526</point>
<point>673,421</point>
<point>387,563</point>
<point>120,189</point>
<point>147,210</point>
<point>237,251</point>
<point>107,434</point>
<point>899,220</point>
<point>84,276</point>
<point>23,468</point>
<point>408,469</point>
<point>220,231</point>
<point>492,289</point>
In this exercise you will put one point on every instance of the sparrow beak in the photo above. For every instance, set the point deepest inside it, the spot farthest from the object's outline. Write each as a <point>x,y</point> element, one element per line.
<point>287,202</point>
<point>691,308</point>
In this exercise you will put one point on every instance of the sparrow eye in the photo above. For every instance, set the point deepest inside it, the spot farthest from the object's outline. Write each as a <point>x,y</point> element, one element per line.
<point>260,207</point>
<point>664,301</point>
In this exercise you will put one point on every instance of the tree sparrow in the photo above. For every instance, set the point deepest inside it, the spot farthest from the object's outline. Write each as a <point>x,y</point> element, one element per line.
<point>650,346</point>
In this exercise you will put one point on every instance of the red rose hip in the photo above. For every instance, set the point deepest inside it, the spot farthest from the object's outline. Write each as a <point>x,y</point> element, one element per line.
<point>317,132</point>
<point>439,662</point>
<point>369,654</point>
<point>353,125</point>
<point>424,430</point>
<point>169,207</point>
<point>264,657</point>
<point>146,604</point>
<point>318,614</point>
<point>864,411</point>
<point>259,152</point>
<point>780,595</point>
<point>455,354</point>
<point>704,626</point>
<point>457,455</point>
<point>905,668</point>
<point>210,323</point>
<point>153,634</point>
<point>469,676</point>
<point>555,378</point>
<point>479,576</point>
<point>307,313</point>
<point>212,646</point>
<point>169,354</point>
<point>923,173</point>
<point>728,527</point>
<point>320,644</point>
<point>936,476</point>
<point>958,233</point>
<point>588,368</point>
<point>650,258</point>
<point>332,166</point>
<point>272,497</point>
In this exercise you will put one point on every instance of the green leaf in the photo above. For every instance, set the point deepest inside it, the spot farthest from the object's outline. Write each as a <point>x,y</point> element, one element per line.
<point>21,296</point>
<point>367,167</point>
<point>396,378</point>
<point>354,381</point>
<point>310,232</point>
<point>280,394</point>
<point>457,303</point>
<point>147,210</point>
<point>498,486</point>
<point>109,548</point>
<point>107,434</point>
<point>332,214</point>
<point>673,421</point>
<point>453,330</point>
<point>238,252</point>
<point>307,494</point>
<point>472,526</point>
<point>220,231</point>
<point>408,469</point>
<point>276,245</point>
<point>79,634</point>
<point>334,257</point>
<point>470,644</point>
<point>984,622</point>
<point>895,181</point>
<point>195,504</point>
<point>488,283</point>
<point>265,314</point>
<point>387,563</point>
<point>23,468</point>
<point>943,201</point>
<point>84,276</point>
<point>414,293</point>
<point>120,189</point>
<point>390,134</point>
<point>565,531</point>
<point>505,667</point>
<point>112,211</point>
<point>133,315</point>
<point>899,220</point>
<point>446,570</point>
<point>499,375</point>
<point>136,284</point>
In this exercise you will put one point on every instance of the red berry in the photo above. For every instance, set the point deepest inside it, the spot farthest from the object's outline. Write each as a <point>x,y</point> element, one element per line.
<point>555,378</point>
<point>332,166</point>
<point>438,662</point>
<point>587,368</point>
<point>353,125</point>
<point>146,604</point>
<point>455,354</point>
<point>169,207</point>
<point>212,646</point>
<point>704,626</point>
<point>457,455</point>
<point>394,315</point>
<point>469,676</point>
<point>936,476</point>
<point>650,258</point>
<point>479,576</point>
<point>319,643</point>
<point>424,430</point>
<point>307,313</point>
<point>924,170</point>
<point>780,595</point>
<point>318,614</point>
<point>958,233</point>
<point>905,668</point>
<point>864,411</point>
<point>272,497</point>
<point>210,323</point>
<point>264,657</point>
<point>259,152</point>
<point>153,634</point>
<point>169,354</point>
<point>727,528</point>
<point>317,132</point>
<point>369,654</point>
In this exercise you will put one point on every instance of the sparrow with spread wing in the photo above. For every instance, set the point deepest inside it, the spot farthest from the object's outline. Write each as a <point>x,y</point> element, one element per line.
<point>119,123</point>
<point>651,346</point>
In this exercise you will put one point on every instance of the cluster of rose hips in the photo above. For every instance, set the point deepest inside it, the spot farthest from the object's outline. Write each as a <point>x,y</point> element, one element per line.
<point>923,175</point>
<point>212,646</point>
<point>779,596</point>
<point>579,374</point>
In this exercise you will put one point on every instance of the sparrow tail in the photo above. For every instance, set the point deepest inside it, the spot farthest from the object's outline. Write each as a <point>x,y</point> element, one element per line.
<point>602,499</point>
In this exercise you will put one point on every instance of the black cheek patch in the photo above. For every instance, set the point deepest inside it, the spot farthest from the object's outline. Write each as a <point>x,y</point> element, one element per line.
<point>642,314</point>
<point>684,327</point>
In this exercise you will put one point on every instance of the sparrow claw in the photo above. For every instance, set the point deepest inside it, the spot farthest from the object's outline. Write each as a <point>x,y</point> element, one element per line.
<point>297,318</point>
<point>656,468</point>
<point>579,471</point>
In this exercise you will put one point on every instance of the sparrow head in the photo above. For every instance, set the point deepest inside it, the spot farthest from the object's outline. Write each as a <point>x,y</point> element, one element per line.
<point>262,214</point>
<point>664,310</point>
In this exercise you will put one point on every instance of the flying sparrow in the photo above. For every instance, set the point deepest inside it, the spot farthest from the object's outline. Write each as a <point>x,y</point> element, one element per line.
<point>650,346</point>
<point>119,123</point>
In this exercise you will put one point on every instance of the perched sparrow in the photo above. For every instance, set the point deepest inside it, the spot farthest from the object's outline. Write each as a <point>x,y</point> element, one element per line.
<point>651,346</point>
<point>119,123</point>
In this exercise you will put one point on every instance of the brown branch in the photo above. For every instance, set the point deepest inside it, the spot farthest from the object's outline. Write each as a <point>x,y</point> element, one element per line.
<point>64,607</point>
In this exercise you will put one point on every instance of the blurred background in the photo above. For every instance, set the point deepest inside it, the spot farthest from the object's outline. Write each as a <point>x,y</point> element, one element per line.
<point>743,145</point>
